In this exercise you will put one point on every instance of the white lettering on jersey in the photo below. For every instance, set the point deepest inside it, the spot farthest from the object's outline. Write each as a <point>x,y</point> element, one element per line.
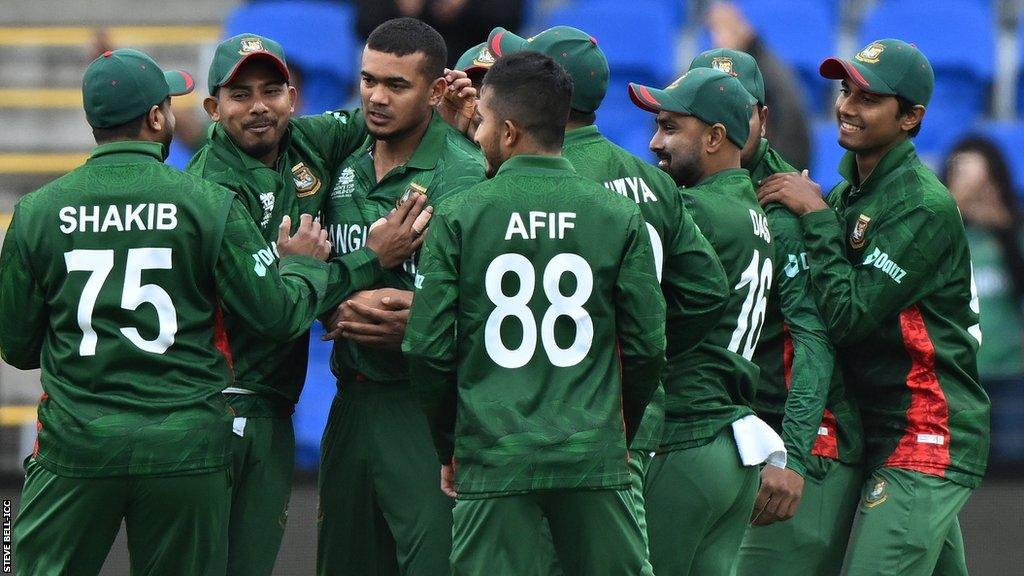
<point>634,188</point>
<point>760,222</point>
<point>881,260</point>
<point>124,218</point>
<point>556,224</point>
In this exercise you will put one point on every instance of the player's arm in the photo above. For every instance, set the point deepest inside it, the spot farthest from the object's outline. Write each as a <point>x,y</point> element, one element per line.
<point>639,325</point>
<point>277,302</point>
<point>694,283</point>
<point>429,344</point>
<point>24,314</point>
<point>335,134</point>
<point>899,260</point>
<point>813,355</point>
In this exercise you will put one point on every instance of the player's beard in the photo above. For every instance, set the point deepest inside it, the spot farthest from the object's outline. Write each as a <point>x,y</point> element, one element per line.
<point>492,155</point>
<point>683,166</point>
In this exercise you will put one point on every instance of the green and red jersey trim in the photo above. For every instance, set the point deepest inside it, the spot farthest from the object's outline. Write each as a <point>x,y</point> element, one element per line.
<point>826,444</point>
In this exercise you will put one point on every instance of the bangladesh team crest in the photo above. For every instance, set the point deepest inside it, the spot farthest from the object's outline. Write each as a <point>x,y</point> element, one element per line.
<point>250,45</point>
<point>412,191</point>
<point>484,58</point>
<point>306,183</point>
<point>723,63</point>
<point>870,53</point>
<point>877,495</point>
<point>859,234</point>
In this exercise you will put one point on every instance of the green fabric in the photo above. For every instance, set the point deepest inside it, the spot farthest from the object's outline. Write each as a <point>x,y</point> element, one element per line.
<point>892,279</point>
<point>444,167</point>
<point>134,387</point>
<point>476,59</point>
<point>737,63</point>
<point>548,410</point>
<point>378,474</point>
<point>797,394</point>
<point>693,281</point>
<point>1001,318</point>
<point>312,149</point>
<point>890,67</point>
<point>232,52</point>
<point>907,524</point>
<point>123,84</point>
<point>639,465</point>
<point>713,96</point>
<point>594,533</point>
<point>175,524</point>
<point>698,505</point>
<point>713,385</point>
<point>263,458</point>
<point>574,49</point>
<point>812,542</point>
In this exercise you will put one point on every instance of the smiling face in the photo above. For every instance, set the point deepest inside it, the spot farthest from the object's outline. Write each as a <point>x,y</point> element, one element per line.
<point>254,109</point>
<point>397,96</point>
<point>867,122</point>
<point>678,145</point>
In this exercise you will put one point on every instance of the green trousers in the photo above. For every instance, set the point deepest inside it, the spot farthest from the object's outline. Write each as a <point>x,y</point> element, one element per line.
<point>263,459</point>
<point>907,525</point>
<point>381,509</point>
<point>175,524</point>
<point>698,503</point>
<point>594,532</point>
<point>812,542</point>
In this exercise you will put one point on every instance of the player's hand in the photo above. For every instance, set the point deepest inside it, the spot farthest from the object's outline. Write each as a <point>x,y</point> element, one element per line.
<point>459,103</point>
<point>309,239</point>
<point>400,234</point>
<point>382,327</point>
<point>794,191</point>
<point>778,497</point>
<point>344,313</point>
<point>448,480</point>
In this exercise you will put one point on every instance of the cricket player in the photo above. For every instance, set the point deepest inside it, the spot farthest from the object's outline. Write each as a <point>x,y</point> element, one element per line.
<point>536,341</point>
<point>891,274</point>
<point>701,485</point>
<point>797,393</point>
<point>115,280</point>
<point>693,280</point>
<point>377,468</point>
<point>277,166</point>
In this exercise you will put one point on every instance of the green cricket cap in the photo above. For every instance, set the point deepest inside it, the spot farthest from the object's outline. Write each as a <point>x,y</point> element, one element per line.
<point>735,63</point>
<point>890,67</point>
<point>237,50</point>
<point>574,49</point>
<point>710,95</point>
<point>476,59</point>
<point>124,84</point>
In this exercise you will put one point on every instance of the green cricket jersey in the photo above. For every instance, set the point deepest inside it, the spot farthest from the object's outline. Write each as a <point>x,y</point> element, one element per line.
<point>1001,323</point>
<point>312,149</point>
<point>892,277</point>
<point>440,167</point>
<point>713,385</point>
<point>113,280</point>
<point>692,279</point>
<point>537,334</point>
<point>797,394</point>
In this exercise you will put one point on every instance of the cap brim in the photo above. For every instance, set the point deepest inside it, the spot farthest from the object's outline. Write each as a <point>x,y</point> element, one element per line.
<point>277,62</point>
<point>501,42</point>
<point>179,82</point>
<point>839,69</point>
<point>653,99</point>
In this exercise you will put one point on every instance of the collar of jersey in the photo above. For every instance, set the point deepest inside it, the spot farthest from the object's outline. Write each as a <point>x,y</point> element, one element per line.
<point>536,164</point>
<point>127,151</point>
<point>427,153</point>
<point>581,135</point>
<point>714,179</point>
<point>894,159</point>
<point>762,149</point>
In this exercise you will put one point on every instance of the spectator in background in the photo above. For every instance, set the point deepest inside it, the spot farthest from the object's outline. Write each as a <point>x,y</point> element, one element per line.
<point>462,23</point>
<point>788,131</point>
<point>977,175</point>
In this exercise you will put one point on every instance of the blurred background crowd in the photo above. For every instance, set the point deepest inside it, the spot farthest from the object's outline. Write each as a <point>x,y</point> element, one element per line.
<point>972,136</point>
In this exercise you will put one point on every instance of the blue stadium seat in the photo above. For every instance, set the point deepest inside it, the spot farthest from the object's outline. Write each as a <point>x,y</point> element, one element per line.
<point>801,33</point>
<point>640,43</point>
<point>964,60</point>
<point>825,154</point>
<point>317,36</point>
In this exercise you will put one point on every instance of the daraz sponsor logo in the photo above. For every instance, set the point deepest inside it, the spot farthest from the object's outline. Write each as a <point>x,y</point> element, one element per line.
<point>881,260</point>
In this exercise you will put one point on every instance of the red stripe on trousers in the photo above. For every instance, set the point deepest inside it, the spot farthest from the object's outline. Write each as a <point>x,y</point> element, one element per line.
<point>928,412</point>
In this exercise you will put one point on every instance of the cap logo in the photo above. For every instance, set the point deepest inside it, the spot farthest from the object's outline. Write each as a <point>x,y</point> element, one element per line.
<point>871,53</point>
<point>250,45</point>
<point>723,63</point>
<point>485,58</point>
<point>676,83</point>
<point>306,183</point>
